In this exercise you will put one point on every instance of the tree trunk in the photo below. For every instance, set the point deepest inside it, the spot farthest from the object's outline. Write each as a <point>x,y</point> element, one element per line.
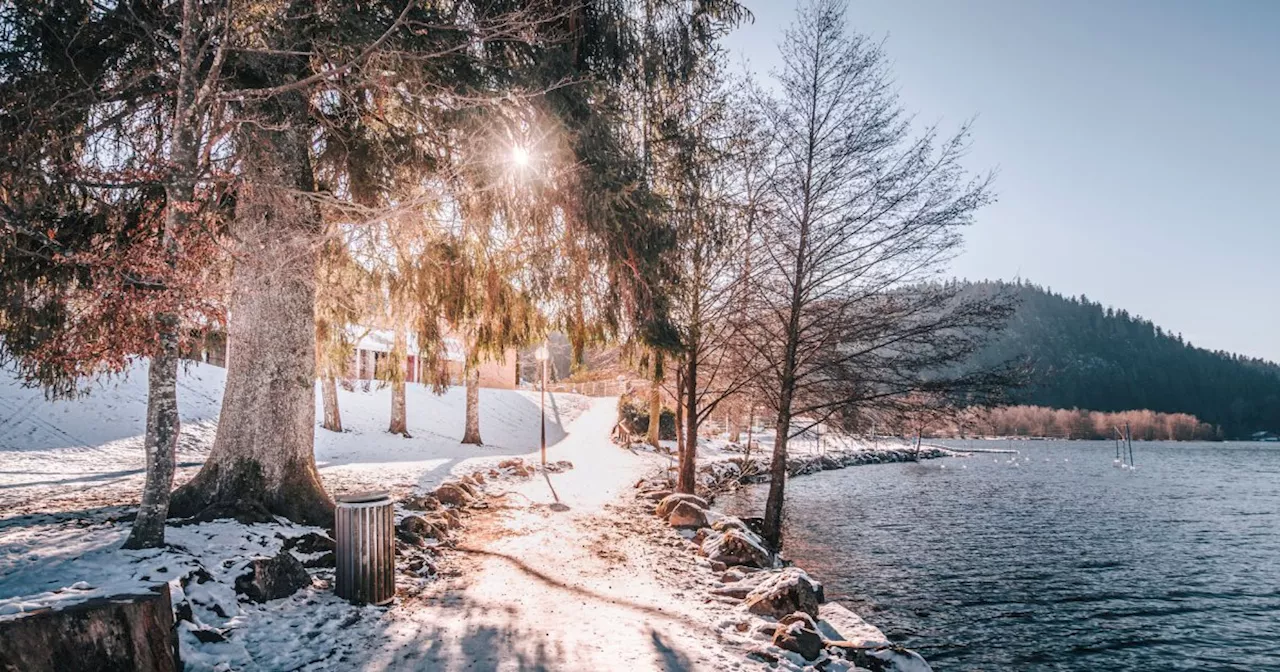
<point>655,414</point>
<point>472,433</point>
<point>396,363</point>
<point>687,480</point>
<point>163,425</point>
<point>329,397</point>
<point>161,440</point>
<point>263,458</point>
<point>731,419</point>
<point>777,477</point>
<point>679,412</point>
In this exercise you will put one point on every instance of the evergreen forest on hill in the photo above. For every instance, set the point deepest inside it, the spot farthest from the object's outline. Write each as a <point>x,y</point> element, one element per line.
<point>1087,356</point>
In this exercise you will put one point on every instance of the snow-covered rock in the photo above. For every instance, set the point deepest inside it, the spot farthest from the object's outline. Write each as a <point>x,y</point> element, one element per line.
<point>686,514</point>
<point>799,633</point>
<point>456,493</point>
<point>837,623</point>
<point>736,547</point>
<point>785,592</point>
<point>668,503</point>
<point>273,578</point>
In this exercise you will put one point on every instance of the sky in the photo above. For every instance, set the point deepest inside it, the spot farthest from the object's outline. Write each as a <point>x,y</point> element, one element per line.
<point>1137,145</point>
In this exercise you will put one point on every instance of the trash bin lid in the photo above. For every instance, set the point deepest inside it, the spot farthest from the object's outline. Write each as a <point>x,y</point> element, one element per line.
<point>364,497</point>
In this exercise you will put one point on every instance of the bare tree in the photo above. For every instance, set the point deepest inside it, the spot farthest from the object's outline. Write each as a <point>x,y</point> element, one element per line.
<point>866,212</point>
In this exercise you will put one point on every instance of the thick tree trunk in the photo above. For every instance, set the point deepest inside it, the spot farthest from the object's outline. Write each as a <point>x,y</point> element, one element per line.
<point>687,480</point>
<point>396,362</point>
<point>329,398</point>
<point>472,433</point>
<point>263,459</point>
<point>655,414</point>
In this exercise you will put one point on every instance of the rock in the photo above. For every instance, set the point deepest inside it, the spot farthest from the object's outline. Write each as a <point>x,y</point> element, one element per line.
<point>893,659</point>
<point>420,503</point>
<point>799,636</point>
<point>478,478</point>
<point>699,537</point>
<point>454,494</point>
<point>668,503</point>
<point>687,515</point>
<point>734,547</point>
<point>656,495</point>
<point>837,623</point>
<point>124,632</point>
<point>785,592</point>
<point>511,463</point>
<point>311,542</point>
<point>417,525</point>
<point>273,578</point>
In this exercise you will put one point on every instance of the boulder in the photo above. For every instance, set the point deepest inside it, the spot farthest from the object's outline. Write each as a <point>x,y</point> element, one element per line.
<point>273,578</point>
<point>123,632</point>
<point>668,503</point>
<point>417,525</point>
<point>656,495</point>
<point>687,515</point>
<point>799,635</point>
<point>311,542</point>
<point>420,503</point>
<point>455,494</point>
<point>478,478</point>
<point>735,547</point>
<point>785,592</point>
<point>511,463</point>
<point>836,623</point>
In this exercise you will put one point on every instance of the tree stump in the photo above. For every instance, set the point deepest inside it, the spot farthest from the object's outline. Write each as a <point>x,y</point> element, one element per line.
<point>122,633</point>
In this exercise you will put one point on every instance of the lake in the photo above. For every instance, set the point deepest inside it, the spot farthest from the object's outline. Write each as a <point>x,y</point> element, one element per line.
<point>1058,560</point>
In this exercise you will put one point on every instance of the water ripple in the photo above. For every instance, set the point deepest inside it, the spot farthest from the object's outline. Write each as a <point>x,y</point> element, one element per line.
<point>1062,562</point>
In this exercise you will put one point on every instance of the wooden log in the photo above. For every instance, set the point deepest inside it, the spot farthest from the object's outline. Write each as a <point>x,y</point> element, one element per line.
<point>122,633</point>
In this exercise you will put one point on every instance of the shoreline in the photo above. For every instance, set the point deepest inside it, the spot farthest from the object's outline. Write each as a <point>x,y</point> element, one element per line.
<point>777,613</point>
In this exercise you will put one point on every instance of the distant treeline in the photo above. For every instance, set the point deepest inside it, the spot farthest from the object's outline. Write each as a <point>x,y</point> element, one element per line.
<point>1084,355</point>
<point>1038,421</point>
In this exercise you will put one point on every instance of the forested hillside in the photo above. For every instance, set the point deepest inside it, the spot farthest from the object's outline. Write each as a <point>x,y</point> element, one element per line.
<point>1084,355</point>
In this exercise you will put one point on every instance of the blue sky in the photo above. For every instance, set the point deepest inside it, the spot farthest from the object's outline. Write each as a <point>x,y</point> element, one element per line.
<point>1137,144</point>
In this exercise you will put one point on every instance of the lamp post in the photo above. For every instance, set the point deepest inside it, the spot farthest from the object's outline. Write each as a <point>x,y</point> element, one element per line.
<point>542,356</point>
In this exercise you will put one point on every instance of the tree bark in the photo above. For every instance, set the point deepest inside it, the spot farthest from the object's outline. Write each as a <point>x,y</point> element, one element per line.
<point>396,363</point>
<point>655,414</point>
<point>472,433</point>
<point>679,412</point>
<point>163,425</point>
<point>263,459</point>
<point>689,456</point>
<point>329,397</point>
<point>731,419</point>
<point>161,440</point>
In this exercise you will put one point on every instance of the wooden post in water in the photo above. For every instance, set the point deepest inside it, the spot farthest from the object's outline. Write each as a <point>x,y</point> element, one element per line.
<point>1129,439</point>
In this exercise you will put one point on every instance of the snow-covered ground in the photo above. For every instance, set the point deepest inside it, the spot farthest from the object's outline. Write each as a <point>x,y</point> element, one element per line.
<point>86,453</point>
<point>561,571</point>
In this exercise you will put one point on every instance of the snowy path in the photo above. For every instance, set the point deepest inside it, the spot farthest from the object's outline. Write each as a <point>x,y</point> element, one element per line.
<point>562,581</point>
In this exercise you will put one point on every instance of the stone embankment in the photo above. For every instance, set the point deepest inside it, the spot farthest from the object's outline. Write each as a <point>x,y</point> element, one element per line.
<point>790,618</point>
<point>720,475</point>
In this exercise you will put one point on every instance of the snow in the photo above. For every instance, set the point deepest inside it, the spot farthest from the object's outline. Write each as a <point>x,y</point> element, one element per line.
<point>564,571</point>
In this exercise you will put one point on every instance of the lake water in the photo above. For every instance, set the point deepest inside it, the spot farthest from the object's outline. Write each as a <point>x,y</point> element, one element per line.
<point>1058,561</point>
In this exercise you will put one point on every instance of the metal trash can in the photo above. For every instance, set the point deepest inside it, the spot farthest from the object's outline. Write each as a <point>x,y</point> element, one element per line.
<point>364,529</point>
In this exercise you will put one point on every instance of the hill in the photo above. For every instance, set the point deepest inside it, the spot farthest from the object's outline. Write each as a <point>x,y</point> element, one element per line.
<point>1084,355</point>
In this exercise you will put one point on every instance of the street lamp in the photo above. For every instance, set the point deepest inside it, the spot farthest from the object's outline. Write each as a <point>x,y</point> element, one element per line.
<point>542,356</point>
